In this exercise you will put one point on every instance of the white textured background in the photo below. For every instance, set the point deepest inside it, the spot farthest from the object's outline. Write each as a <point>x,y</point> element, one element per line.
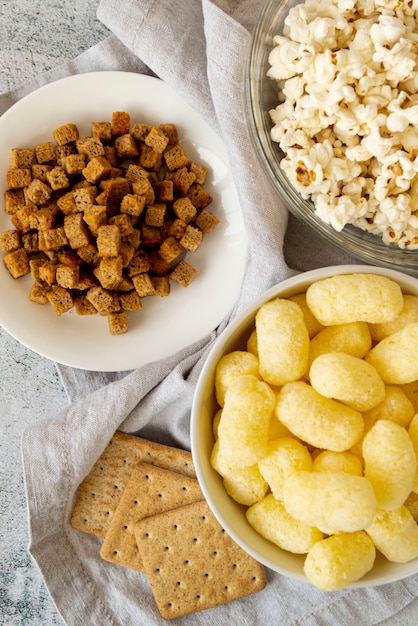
<point>35,36</point>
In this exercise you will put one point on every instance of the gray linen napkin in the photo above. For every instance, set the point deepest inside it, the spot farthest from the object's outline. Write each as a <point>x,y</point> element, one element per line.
<point>200,48</point>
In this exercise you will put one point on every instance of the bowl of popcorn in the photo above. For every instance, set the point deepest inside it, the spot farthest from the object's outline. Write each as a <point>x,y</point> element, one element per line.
<point>333,107</point>
<point>304,427</point>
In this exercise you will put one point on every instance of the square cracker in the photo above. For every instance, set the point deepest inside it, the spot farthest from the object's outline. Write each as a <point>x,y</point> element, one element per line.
<point>149,490</point>
<point>100,492</point>
<point>191,562</point>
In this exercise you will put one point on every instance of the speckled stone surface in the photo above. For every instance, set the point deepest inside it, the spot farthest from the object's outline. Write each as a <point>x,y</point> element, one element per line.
<point>35,36</point>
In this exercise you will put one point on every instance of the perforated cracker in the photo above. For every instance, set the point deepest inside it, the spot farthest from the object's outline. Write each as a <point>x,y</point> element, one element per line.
<point>149,491</point>
<point>192,563</point>
<point>100,492</point>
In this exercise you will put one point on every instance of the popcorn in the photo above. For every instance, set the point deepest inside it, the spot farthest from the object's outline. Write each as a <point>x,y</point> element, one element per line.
<point>348,74</point>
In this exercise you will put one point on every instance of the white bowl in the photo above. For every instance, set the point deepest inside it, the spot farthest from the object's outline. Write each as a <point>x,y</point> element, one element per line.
<point>229,513</point>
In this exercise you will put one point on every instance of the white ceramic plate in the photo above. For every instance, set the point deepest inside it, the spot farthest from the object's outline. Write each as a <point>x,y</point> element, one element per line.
<point>164,325</point>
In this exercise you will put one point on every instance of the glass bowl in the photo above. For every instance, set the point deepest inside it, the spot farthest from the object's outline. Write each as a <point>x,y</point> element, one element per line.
<point>262,96</point>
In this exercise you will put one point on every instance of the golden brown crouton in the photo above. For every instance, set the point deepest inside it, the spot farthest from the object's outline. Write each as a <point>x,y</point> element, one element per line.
<point>182,179</point>
<point>62,152</point>
<point>91,147</point>
<point>108,240</point>
<point>89,254</point>
<point>17,263</point>
<point>76,230</point>
<point>130,301</point>
<point>144,188</point>
<point>139,264</point>
<point>200,172</point>
<point>83,306</point>
<point>140,131</point>
<point>175,158</point>
<point>132,204</point>
<point>66,203</point>
<point>19,178</point>
<point>206,221</point>
<point>170,249</point>
<point>57,178</point>
<point>21,220</point>
<point>184,210</point>
<point>65,134</point>
<point>38,192</point>
<point>149,158</point>
<point>45,152</point>
<point>126,147</point>
<point>47,272</point>
<point>177,229</point>
<point>60,299</point>
<point>35,263</point>
<point>161,286</point>
<point>199,197</point>
<point>30,242</point>
<point>124,223</point>
<point>102,130</point>
<point>183,274</point>
<point>14,200</point>
<point>109,272</point>
<point>67,275</point>
<point>52,239</point>
<point>143,284</point>
<point>155,214</point>
<point>171,131</point>
<point>44,218</point>
<point>157,139</point>
<point>104,301</point>
<point>38,292</point>
<point>74,164</point>
<point>96,169</point>
<point>10,240</point>
<point>118,323</point>
<point>21,158</point>
<point>121,122</point>
<point>191,239</point>
<point>40,171</point>
<point>95,216</point>
<point>85,197</point>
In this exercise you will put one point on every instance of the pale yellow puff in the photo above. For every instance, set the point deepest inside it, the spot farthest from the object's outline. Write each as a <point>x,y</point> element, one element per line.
<point>330,500</point>
<point>282,340</point>
<point>348,379</point>
<point>269,518</point>
<point>396,407</point>
<point>346,298</point>
<point>284,457</point>
<point>395,357</point>
<point>395,534</point>
<point>231,366</point>
<point>329,461</point>
<point>340,560</point>
<point>244,427</point>
<point>389,463</point>
<point>408,315</point>
<point>321,422</point>
<point>353,338</point>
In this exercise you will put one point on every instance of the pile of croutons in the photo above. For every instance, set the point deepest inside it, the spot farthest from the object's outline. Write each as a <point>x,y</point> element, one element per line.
<point>104,220</point>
